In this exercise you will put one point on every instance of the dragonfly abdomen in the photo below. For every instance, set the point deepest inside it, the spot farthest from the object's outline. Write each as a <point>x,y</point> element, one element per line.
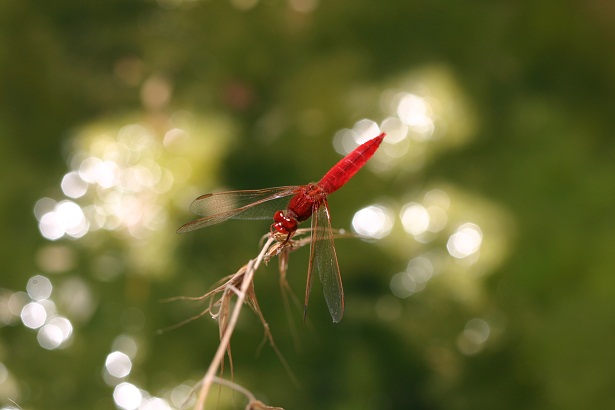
<point>349,165</point>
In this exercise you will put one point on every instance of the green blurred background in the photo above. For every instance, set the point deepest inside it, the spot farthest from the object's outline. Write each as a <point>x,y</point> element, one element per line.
<point>488,282</point>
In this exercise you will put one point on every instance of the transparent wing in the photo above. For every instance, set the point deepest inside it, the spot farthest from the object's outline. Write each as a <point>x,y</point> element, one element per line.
<point>249,204</point>
<point>323,259</point>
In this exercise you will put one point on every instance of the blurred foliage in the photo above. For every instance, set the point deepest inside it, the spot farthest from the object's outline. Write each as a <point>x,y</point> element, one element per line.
<point>523,148</point>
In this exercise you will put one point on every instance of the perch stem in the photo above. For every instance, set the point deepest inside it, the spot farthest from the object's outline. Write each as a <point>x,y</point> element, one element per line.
<point>210,376</point>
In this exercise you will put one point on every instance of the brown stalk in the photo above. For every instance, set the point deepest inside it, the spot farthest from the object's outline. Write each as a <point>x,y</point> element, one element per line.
<point>241,285</point>
<point>226,329</point>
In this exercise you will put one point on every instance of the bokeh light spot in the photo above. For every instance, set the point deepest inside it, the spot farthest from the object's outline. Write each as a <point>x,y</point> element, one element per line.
<point>365,130</point>
<point>437,197</point>
<point>418,272</point>
<point>465,241</point>
<point>344,141</point>
<point>414,218</point>
<point>182,396</point>
<point>17,301</point>
<point>67,218</point>
<point>96,171</point>
<point>374,221</point>
<point>6,315</point>
<point>127,396</point>
<point>347,140</point>
<point>415,111</point>
<point>55,333</point>
<point>72,219</point>
<point>39,287</point>
<point>396,130</point>
<point>477,330</point>
<point>51,227</point>
<point>403,285</point>
<point>33,315</point>
<point>174,136</point>
<point>118,364</point>
<point>156,92</point>
<point>73,186</point>
<point>472,340</point>
<point>43,206</point>
<point>420,269</point>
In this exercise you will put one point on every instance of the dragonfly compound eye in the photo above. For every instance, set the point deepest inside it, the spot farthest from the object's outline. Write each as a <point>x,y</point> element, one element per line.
<point>278,216</point>
<point>283,223</point>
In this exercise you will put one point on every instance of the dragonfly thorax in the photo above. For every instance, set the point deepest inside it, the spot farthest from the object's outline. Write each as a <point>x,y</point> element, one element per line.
<point>308,198</point>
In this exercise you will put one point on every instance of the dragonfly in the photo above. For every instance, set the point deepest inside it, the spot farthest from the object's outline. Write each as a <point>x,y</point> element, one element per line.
<point>307,200</point>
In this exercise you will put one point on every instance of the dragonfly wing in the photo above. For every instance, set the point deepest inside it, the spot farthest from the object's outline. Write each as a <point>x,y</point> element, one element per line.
<point>249,204</point>
<point>323,259</point>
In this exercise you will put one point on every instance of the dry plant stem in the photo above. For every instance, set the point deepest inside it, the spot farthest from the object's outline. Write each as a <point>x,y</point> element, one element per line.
<point>225,340</point>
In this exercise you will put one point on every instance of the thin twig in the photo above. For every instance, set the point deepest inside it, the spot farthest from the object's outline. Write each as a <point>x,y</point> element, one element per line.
<point>241,284</point>
<point>225,339</point>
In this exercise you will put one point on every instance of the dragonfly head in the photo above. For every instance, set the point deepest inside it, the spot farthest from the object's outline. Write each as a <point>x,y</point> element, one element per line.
<point>286,224</point>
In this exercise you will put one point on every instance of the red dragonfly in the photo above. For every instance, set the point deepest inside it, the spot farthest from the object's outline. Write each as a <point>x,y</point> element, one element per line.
<point>308,200</point>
